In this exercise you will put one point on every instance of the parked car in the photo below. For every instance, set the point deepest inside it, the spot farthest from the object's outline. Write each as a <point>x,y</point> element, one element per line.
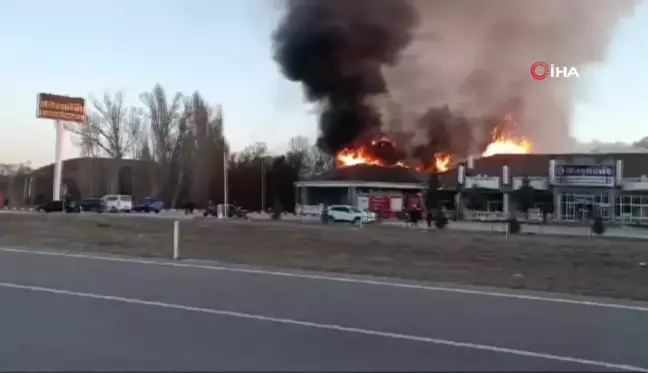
<point>59,206</point>
<point>91,205</point>
<point>369,216</point>
<point>233,211</point>
<point>116,203</point>
<point>346,214</point>
<point>149,204</point>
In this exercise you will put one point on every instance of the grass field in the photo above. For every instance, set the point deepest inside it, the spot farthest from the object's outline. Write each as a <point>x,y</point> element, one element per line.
<point>579,265</point>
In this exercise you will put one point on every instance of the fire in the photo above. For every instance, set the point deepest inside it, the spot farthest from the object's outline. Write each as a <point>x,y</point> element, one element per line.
<point>443,162</point>
<point>352,157</point>
<point>505,143</point>
<point>362,155</point>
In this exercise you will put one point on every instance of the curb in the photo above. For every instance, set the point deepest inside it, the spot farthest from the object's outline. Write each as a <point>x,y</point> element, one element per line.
<point>17,208</point>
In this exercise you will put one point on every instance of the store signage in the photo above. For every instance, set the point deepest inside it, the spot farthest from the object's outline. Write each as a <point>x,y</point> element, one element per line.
<point>635,183</point>
<point>536,182</point>
<point>379,203</point>
<point>59,107</point>
<point>483,181</point>
<point>585,175</point>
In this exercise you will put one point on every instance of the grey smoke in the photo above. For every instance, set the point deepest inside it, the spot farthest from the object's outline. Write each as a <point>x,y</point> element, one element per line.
<point>474,56</point>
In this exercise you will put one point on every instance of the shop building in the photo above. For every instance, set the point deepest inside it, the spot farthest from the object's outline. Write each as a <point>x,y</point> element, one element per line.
<point>388,190</point>
<point>567,187</point>
<point>572,187</point>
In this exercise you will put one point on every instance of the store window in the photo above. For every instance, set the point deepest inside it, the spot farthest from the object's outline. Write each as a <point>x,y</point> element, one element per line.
<point>632,209</point>
<point>577,207</point>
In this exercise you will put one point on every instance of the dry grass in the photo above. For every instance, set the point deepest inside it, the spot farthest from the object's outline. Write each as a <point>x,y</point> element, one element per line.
<point>597,266</point>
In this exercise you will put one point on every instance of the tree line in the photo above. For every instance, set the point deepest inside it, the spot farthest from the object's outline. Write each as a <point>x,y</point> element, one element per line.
<point>179,139</point>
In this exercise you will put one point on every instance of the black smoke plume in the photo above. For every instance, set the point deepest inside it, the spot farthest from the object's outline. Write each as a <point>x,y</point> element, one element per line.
<point>337,49</point>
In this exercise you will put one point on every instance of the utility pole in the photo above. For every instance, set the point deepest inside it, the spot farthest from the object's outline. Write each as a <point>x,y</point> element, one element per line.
<point>225,166</point>
<point>263,185</point>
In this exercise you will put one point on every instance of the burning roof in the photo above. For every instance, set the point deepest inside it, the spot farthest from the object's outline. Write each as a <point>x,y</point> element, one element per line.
<point>383,151</point>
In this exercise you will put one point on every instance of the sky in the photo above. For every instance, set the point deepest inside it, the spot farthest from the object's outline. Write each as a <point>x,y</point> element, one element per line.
<point>223,50</point>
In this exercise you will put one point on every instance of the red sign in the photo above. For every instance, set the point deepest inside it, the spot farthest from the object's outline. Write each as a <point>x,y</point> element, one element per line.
<point>414,201</point>
<point>379,203</point>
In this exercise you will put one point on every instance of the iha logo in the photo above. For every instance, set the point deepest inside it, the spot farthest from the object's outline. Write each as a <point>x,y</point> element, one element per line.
<point>541,70</point>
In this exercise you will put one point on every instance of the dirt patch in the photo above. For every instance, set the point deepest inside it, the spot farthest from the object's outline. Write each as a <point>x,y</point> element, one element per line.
<point>577,265</point>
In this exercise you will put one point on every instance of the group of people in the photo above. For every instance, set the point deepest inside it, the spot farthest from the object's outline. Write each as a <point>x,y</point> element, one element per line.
<point>416,214</point>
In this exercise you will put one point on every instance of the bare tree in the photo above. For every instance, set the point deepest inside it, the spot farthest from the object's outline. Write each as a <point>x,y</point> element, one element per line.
<point>89,150</point>
<point>108,130</point>
<point>182,151</point>
<point>321,161</point>
<point>108,126</point>
<point>299,144</point>
<point>252,152</point>
<point>163,116</point>
<point>16,174</point>
<point>137,131</point>
<point>86,141</point>
<point>300,156</point>
<point>205,147</point>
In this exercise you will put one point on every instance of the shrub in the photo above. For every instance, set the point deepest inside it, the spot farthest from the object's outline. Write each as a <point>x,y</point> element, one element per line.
<point>441,221</point>
<point>513,226</point>
<point>277,210</point>
<point>597,226</point>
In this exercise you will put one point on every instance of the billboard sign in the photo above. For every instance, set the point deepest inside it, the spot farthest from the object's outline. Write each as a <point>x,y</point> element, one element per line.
<point>585,175</point>
<point>58,107</point>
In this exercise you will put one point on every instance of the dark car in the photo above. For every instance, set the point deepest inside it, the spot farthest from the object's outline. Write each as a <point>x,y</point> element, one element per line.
<point>60,206</point>
<point>91,204</point>
<point>149,204</point>
<point>233,211</point>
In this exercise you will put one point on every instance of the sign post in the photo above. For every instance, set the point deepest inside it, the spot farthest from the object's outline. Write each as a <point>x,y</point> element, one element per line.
<point>60,108</point>
<point>58,161</point>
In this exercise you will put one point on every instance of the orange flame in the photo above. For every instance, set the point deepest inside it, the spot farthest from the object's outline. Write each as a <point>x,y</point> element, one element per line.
<point>355,156</point>
<point>352,157</point>
<point>505,143</point>
<point>502,142</point>
<point>442,162</point>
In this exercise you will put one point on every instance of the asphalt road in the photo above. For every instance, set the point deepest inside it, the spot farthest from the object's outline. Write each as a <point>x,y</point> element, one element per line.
<point>80,313</point>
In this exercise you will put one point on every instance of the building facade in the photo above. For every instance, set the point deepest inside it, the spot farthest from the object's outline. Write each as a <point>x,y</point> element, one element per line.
<point>380,189</point>
<point>566,187</point>
<point>573,187</point>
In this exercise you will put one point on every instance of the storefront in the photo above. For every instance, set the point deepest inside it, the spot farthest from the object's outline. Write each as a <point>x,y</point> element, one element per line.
<point>632,209</point>
<point>584,191</point>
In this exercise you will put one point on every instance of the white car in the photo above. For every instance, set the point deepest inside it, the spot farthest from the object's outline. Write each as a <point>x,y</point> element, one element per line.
<point>370,216</point>
<point>117,203</point>
<point>347,214</point>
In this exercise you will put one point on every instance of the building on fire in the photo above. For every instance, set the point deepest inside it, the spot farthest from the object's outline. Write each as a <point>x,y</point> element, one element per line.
<point>568,187</point>
<point>383,189</point>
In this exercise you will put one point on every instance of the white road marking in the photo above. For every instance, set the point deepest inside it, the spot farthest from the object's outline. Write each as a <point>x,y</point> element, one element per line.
<point>337,279</point>
<point>335,327</point>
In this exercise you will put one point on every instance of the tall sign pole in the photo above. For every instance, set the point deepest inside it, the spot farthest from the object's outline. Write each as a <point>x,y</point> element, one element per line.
<point>58,161</point>
<point>61,109</point>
